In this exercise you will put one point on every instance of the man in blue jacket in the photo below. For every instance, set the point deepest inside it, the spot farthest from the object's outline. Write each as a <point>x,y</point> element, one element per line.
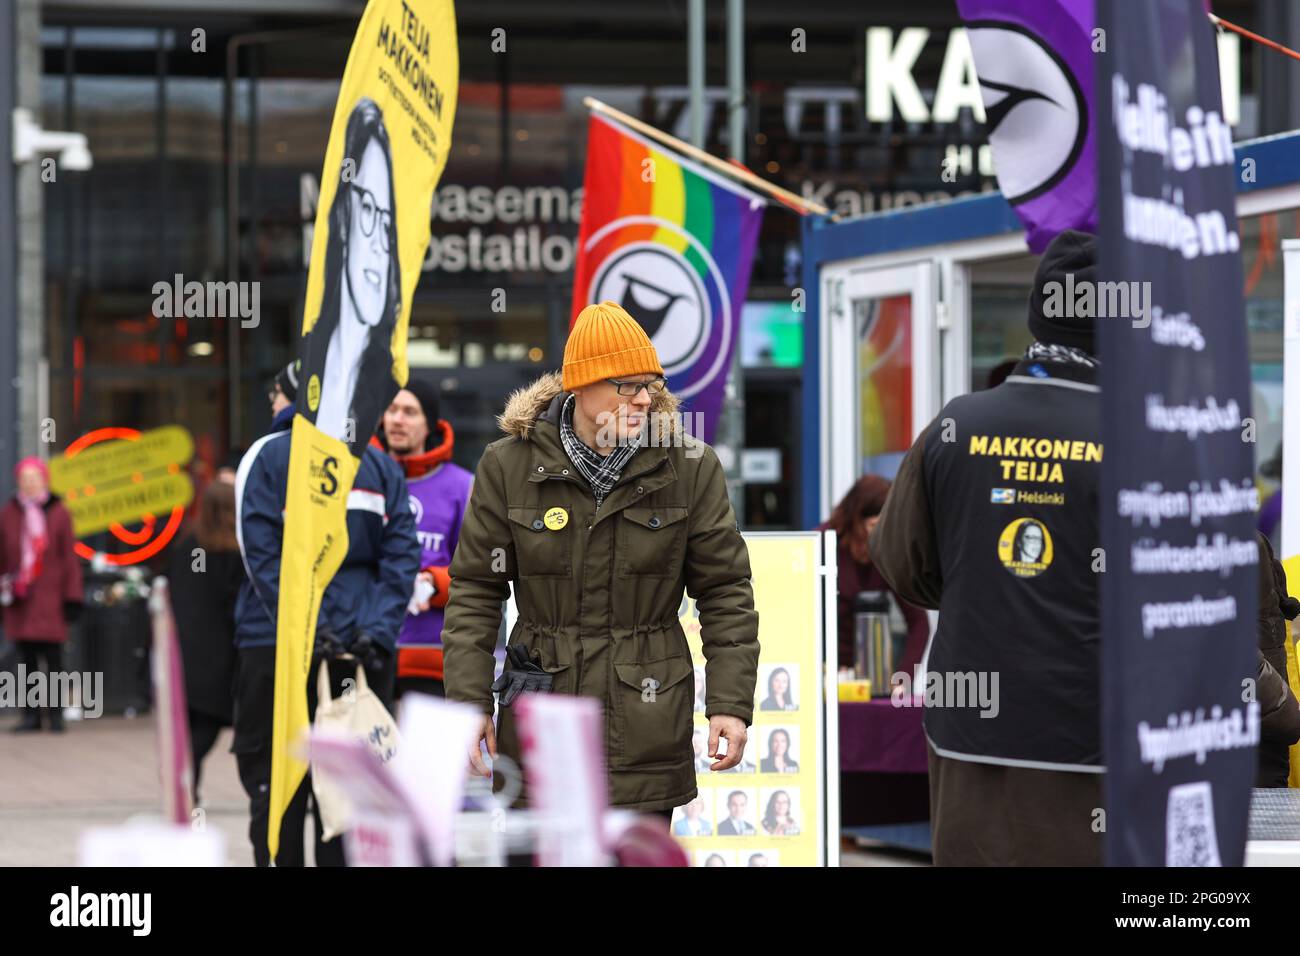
<point>361,611</point>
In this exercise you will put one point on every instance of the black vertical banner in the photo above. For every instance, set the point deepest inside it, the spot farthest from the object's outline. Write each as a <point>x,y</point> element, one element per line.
<point>1179,592</point>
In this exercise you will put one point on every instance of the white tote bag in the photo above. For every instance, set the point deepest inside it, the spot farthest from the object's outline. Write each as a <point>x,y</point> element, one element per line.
<point>358,713</point>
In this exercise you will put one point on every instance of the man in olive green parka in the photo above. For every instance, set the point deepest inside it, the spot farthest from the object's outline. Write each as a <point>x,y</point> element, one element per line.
<point>601,512</point>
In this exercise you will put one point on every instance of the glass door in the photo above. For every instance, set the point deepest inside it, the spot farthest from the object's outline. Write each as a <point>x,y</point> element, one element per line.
<point>880,381</point>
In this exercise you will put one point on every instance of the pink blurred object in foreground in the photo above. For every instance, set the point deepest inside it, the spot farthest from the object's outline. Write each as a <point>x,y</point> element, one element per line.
<point>169,707</point>
<point>564,763</point>
<point>647,842</point>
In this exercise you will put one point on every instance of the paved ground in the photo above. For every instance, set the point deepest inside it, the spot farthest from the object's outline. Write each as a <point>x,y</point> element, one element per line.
<point>104,772</point>
<point>100,772</point>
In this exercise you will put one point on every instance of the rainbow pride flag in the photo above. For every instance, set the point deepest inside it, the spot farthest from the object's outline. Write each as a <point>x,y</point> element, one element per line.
<point>673,243</point>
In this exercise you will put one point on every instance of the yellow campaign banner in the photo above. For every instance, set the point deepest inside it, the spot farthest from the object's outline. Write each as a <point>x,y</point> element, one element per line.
<point>767,811</point>
<point>124,478</point>
<point>126,503</point>
<point>100,465</point>
<point>388,146</point>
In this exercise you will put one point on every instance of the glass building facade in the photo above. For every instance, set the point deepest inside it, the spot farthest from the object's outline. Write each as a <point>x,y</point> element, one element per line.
<point>208,123</point>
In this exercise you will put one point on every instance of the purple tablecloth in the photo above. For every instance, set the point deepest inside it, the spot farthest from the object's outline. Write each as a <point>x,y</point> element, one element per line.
<point>877,737</point>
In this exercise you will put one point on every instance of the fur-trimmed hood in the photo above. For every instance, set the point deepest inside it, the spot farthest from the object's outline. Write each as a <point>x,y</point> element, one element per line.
<point>526,405</point>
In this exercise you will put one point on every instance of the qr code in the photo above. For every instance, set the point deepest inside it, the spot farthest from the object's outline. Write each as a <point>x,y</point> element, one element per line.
<point>1190,839</point>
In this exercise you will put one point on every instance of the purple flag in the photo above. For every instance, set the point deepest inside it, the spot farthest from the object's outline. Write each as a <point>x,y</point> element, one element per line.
<point>1034,60</point>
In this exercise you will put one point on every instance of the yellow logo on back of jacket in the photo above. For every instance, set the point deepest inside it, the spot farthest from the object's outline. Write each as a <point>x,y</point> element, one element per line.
<point>1025,547</point>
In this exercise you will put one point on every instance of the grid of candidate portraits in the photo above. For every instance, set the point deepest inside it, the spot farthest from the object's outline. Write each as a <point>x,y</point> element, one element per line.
<point>750,799</point>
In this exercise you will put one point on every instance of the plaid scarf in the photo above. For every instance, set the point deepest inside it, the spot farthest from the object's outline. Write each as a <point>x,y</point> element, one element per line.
<point>601,471</point>
<point>1043,352</point>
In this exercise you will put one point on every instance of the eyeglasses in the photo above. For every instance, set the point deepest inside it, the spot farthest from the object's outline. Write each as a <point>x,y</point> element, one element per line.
<point>368,210</point>
<point>631,389</point>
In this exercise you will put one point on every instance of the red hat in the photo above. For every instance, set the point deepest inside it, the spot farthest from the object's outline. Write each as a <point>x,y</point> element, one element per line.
<point>31,461</point>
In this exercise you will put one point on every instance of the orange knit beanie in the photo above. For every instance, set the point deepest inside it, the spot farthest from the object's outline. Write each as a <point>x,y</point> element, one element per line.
<point>606,342</point>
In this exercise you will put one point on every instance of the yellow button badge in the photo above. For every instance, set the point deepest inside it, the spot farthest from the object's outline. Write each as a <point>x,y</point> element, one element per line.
<point>556,518</point>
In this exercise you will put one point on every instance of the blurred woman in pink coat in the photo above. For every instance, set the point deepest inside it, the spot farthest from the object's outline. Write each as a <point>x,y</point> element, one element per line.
<point>40,580</point>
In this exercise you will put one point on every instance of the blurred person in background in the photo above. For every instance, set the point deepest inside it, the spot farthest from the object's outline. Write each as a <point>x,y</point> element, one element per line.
<point>284,390</point>
<point>853,520</point>
<point>205,573</point>
<point>40,581</point>
<point>1279,712</point>
<point>1270,508</point>
<point>422,443</point>
<point>229,468</point>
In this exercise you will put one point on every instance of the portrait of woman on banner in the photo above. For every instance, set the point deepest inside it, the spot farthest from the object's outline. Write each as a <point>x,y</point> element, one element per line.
<point>779,759</point>
<point>349,362</point>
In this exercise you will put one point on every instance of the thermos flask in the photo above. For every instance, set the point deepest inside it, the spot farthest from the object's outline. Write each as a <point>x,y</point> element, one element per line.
<point>873,644</point>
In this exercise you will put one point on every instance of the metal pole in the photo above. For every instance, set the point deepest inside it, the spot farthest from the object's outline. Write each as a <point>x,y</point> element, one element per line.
<point>732,431</point>
<point>695,70</point>
<point>230,154</point>
<point>29,224</point>
<point>10,423</point>
<point>736,79</point>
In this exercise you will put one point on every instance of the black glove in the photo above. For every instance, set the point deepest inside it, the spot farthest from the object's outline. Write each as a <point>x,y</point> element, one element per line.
<point>521,676</point>
<point>327,646</point>
<point>71,611</point>
<point>371,653</point>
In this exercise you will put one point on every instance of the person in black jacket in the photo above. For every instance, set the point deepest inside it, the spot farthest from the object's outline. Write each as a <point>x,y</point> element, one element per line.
<point>205,573</point>
<point>1279,710</point>
<point>361,612</point>
<point>992,519</point>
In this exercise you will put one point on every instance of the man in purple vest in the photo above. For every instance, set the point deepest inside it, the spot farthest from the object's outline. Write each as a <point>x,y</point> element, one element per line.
<point>421,443</point>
